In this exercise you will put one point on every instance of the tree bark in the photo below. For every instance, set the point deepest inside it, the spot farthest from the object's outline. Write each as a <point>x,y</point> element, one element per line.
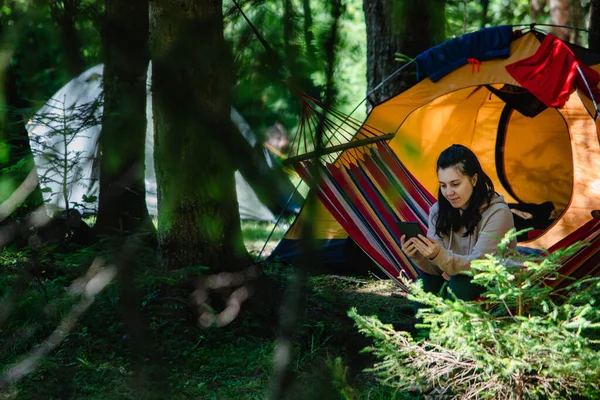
<point>198,220</point>
<point>398,26</point>
<point>308,34</point>
<point>594,32</point>
<point>536,9</point>
<point>560,12</point>
<point>65,13</point>
<point>577,20</point>
<point>121,202</point>
<point>485,5</point>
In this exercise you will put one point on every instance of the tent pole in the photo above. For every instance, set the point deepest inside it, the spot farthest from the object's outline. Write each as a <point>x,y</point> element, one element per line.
<point>587,85</point>
<point>534,25</point>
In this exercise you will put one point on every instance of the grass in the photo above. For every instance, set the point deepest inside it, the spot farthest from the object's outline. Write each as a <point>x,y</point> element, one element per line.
<point>181,360</point>
<point>262,236</point>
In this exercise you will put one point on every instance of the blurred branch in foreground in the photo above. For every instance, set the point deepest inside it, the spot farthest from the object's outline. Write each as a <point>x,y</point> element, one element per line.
<point>238,282</point>
<point>19,195</point>
<point>89,286</point>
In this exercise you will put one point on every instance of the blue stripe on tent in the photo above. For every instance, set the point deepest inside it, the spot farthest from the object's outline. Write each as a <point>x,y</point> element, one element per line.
<point>340,255</point>
<point>329,251</point>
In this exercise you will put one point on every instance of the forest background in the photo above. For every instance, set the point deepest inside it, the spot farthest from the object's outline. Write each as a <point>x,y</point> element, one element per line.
<point>124,312</point>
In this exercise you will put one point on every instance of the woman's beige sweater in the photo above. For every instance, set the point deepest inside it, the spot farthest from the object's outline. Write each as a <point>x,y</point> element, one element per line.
<point>457,251</point>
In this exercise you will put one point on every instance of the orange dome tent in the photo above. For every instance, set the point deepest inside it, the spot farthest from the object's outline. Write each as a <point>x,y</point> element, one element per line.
<point>526,106</point>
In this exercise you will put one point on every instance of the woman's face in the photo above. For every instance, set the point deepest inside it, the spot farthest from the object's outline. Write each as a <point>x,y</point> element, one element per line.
<point>456,187</point>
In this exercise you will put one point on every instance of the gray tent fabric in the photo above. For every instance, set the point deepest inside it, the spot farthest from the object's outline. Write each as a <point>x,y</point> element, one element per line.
<point>64,135</point>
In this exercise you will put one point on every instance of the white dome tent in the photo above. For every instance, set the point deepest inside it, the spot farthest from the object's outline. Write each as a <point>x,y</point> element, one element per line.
<point>64,136</point>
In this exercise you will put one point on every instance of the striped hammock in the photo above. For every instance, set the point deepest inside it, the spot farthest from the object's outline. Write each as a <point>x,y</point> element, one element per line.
<point>368,198</point>
<point>585,262</point>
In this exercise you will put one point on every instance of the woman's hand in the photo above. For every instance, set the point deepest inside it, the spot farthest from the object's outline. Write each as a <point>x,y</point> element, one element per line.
<point>427,247</point>
<point>408,246</point>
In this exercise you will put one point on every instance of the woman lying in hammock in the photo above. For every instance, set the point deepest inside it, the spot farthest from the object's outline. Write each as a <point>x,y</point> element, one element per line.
<point>463,225</point>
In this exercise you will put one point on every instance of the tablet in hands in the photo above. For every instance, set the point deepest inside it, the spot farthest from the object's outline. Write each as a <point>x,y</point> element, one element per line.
<point>410,229</point>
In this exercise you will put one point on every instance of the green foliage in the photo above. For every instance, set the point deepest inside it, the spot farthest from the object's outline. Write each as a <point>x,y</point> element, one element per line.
<point>339,373</point>
<point>260,238</point>
<point>268,82</point>
<point>95,361</point>
<point>467,16</point>
<point>189,362</point>
<point>39,55</point>
<point>524,339</point>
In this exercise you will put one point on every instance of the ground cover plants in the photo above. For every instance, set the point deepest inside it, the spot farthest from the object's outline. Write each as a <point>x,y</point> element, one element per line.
<point>524,339</point>
<point>183,360</point>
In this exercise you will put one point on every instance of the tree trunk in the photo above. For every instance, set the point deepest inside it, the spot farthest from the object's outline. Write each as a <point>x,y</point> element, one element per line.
<point>536,9</point>
<point>485,5</point>
<point>577,20</point>
<point>561,15</point>
<point>198,220</point>
<point>594,33</point>
<point>64,13</point>
<point>122,203</point>
<point>398,26</point>
<point>308,34</point>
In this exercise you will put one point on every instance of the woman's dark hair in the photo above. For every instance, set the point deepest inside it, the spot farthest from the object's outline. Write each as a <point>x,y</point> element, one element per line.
<point>450,218</point>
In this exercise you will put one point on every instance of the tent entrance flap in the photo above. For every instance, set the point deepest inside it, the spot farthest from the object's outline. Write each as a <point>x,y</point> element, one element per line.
<point>535,158</point>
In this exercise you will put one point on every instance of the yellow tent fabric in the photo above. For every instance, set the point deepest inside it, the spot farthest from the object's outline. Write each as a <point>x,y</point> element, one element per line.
<point>554,156</point>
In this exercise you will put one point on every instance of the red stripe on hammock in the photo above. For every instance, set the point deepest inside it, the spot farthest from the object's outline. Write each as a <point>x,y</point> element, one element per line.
<point>346,184</point>
<point>302,171</point>
<point>576,262</point>
<point>398,203</point>
<point>335,206</point>
<point>390,226</point>
<point>578,234</point>
<point>584,262</point>
<point>374,200</point>
<point>407,180</point>
<point>423,192</point>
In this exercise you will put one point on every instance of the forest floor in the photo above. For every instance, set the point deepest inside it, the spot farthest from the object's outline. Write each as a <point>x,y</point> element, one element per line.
<point>172,356</point>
